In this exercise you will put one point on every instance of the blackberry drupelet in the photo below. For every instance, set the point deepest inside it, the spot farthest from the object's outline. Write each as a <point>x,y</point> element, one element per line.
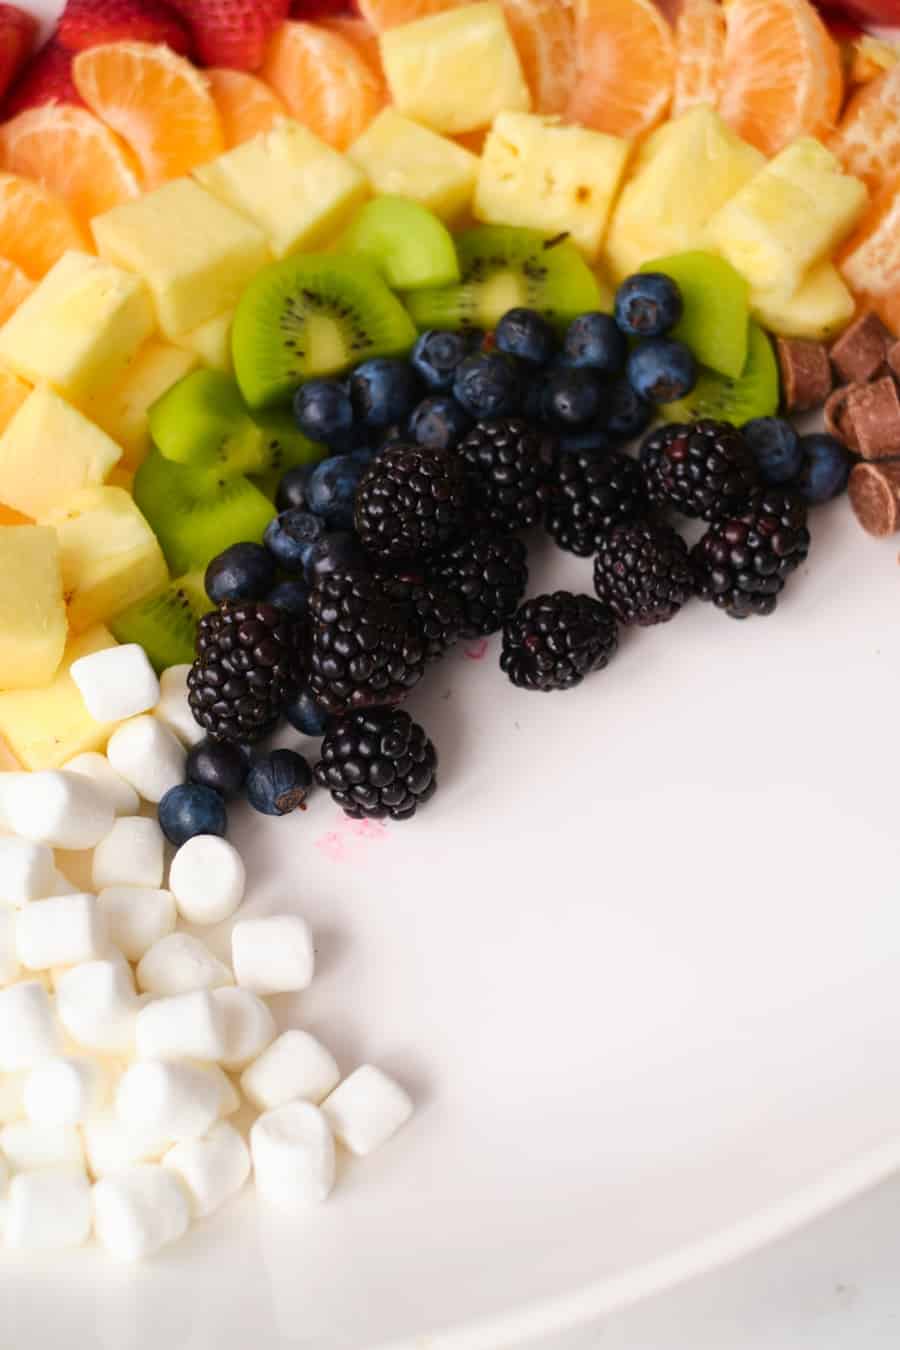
<point>250,661</point>
<point>643,573</point>
<point>742,563</point>
<point>378,763</point>
<point>507,474</point>
<point>365,651</point>
<point>589,494</point>
<point>488,573</point>
<point>432,607</point>
<point>553,641</point>
<point>706,469</point>
<point>411,503</point>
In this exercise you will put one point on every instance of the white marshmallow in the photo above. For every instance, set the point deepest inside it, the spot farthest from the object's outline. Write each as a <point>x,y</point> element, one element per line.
<point>148,756</point>
<point>207,878</point>
<point>63,886</point>
<point>10,969</point>
<point>229,1098</point>
<point>249,1026</point>
<point>212,1169</point>
<point>183,1026</point>
<point>179,1100</point>
<point>179,963</point>
<point>367,1109</point>
<point>28,1029</point>
<point>173,707</point>
<point>122,797</point>
<point>295,1067</point>
<point>132,854</point>
<point>49,1210</point>
<point>137,917</point>
<point>116,683</point>
<point>293,1156</point>
<point>109,1145</point>
<point>274,955</point>
<point>64,810</point>
<point>12,1096</point>
<point>27,1147</point>
<point>98,1007</point>
<point>27,871</point>
<point>60,932</point>
<point>139,1210</point>
<point>65,1091</point>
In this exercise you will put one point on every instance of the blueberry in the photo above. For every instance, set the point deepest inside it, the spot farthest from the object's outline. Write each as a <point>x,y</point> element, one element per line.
<point>594,340</point>
<point>436,356</point>
<point>190,809</point>
<point>627,414</point>
<point>662,370</point>
<point>487,384</point>
<point>534,405</point>
<point>241,572</point>
<point>306,716</point>
<point>573,398</point>
<point>523,333</point>
<point>776,446</point>
<point>826,468</point>
<point>364,455</point>
<point>383,391</point>
<point>292,488</point>
<point>340,551</point>
<point>220,765</point>
<point>290,536</point>
<point>332,488</point>
<point>279,783</point>
<point>590,440</point>
<point>439,422</point>
<point>292,596</point>
<point>323,411</point>
<point>648,304</point>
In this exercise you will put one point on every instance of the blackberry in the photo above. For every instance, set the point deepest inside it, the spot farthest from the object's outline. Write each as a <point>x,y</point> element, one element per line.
<point>432,607</point>
<point>411,502</point>
<point>250,662</point>
<point>507,476</point>
<point>365,652</point>
<point>553,641</point>
<point>706,469</point>
<point>488,573</point>
<point>378,763</point>
<point>589,494</point>
<point>742,563</point>
<point>643,573</point>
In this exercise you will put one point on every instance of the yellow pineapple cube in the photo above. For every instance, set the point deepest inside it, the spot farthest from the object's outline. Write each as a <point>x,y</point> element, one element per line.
<point>50,450</point>
<point>819,308</point>
<point>195,253</point>
<point>32,610</point>
<point>122,409</point>
<point>789,216</point>
<point>456,70</point>
<point>210,344</point>
<point>403,159</point>
<point>13,393</point>
<point>298,190</point>
<point>80,326</point>
<point>538,173</point>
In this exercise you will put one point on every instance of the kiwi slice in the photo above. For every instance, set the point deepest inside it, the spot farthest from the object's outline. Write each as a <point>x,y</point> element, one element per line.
<point>313,314</point>
<point>753,394</point>
<point>165,624</point>
<point>503,267</point>
<point>716,316</point>
<point>202,422</point>
<point>406,242</point>
<point>284,444</point>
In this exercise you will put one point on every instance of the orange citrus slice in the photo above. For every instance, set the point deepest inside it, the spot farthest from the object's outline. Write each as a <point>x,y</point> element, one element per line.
<point>867,141</point>
<point>544,34</point>
<point>624,67</point>
<point>36,226</point>
<point>870,259</point>
<point>324,82</point>
<point>246,105</point>
<point>360,35</point>
<point>14,287</point>
<point>700,54</point>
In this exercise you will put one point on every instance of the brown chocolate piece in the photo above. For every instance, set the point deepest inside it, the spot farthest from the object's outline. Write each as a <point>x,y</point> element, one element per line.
<point>837,422</point>
<point>874,491</point>
<point>893,359</point>
<point>859,354</point>
<point>874,413</point>
<point>806,378</point>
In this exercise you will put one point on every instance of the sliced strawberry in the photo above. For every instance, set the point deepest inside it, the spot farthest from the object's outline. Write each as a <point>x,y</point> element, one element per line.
<point>88,23</point>
<point>232,33</point>
<point>46,79</point>
<point>18,31</point>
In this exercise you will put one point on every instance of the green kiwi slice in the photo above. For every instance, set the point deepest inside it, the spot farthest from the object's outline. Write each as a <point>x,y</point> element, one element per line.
<point>165,624</point>
<point>716,316</point>
<point>313,314</point>
<point>284,444</point>
<point>202,422</point>
<point>753,394</point>
<point>408,244</point>
<point>503,267</point>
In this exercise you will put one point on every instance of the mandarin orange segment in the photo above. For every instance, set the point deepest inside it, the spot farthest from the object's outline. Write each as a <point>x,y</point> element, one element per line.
<point>156,101</point>
<point>14,287</point>
<point>783,73</point>
<point>360,35</point>
<point>324,82</point>
<point>870,259</point>
<point>384,14</point>
<point>246,105</point>
<point>625,66</point>
<point>544,34</point>
<point>867,141</point>
<point>36,226</point>
<point>700,54</point>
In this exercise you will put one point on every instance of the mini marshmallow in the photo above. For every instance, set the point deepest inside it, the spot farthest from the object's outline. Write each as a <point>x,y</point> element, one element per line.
<point>212,1169</point>
<point>132,854</point>
<point>109,1145</point>
<point>64,810</point>
<point>137,917</point>
<point>367,1109</point>
<point>65,1091</point>
<point>122,797</point>
<point>229,1098</point>
<point>28,1029</point>
<point>27,1147</point>
<point>173,708</point>
<point>49,1210</point>
<point>249,1026</point>
<point>10,969</point>
<point>98,1007</point>
<point>295,1067</point>
<point>63,886</point>
<point>183,1026</point>
<point>12,1096</point>
<point>148,756</point>
<point>27,871</point>
<point>293,1156</point>
<point>207,878</point>
<point>139,1210</point>
<point>179,963</point>
<point>179,1100</point>
<point>274,955</point>
<point>116,682</point>
<point>60,932</point>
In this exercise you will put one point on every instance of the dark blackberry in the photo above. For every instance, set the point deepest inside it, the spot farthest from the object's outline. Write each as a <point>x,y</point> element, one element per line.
<point>250,662</point>
<point>643,572</point>
<point>553,641</point>
<point>488,573</point>
<point>742,563</point>
<point>507,474</point>
<point>433,608</point>
<point>365,652</point>
<point>706,469</point>
<point>411,503</point>
<point>378,763</point>
<point>589,494</point>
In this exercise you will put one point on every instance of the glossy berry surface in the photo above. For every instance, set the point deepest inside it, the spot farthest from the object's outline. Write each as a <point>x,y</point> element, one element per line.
<point>292,488</point>
<point>340,551</point>
<point>527,335</point>
<point>220,765</point>
<point>627,414</point>
<point>279,783</point>
<point>332,487</point>
<point>594,341</point>
<point>323,412</point>
<point>378,763</point>
<point>290,537</point>
<point>776,448</point>
<point>305,715</point>
<point>553,641</point>
<point>648,304</point>
<point>572,398</point>
<point>191,809</point>
<point>436,356</point>
<point>291,595</point>
<point>488,385</point>
<point>439,422</point>
<point>383,390</point>
<point>825,469</point>
<point>662,370</point>
<point>241,572</point>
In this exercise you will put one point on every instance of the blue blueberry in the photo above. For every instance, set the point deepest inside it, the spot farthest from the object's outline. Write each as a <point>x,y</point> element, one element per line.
<point>525,334</point>
<point>593,440</point>
<point>339,551</point>
<point>627,414</point>
<point>191,809</point>
<point>220,765</point>
<point>648,304</point>
<point>290,595</point>
<point>241,572</point>
<point>595,340</point>
<point>292,488</point>
<point>534,406</point>
<point>439,422</point>
<point>324,412</point>
<point>662,370</point>
<point>487,384</point>
<point>279,783</point>
<point>365,454</point>
<point>306,716</point>
<point>332,488</point>
<point>573,398</point>
<point>384,390</point>
<point>776,446</point>
<point>290,536</point>
<point>826,468</point>
<point>436,356</point>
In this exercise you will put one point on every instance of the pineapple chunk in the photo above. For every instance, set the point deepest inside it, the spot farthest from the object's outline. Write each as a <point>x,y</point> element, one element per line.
<point>790,215</point>
<point>46,727</point>
<point>819,308</point>
<point>13,393</point>
<point>402,159</point>
<point>298,190</point>
<point>122,410</point>
<point>48,451</point>
<point>80,326</point>
<point>456,70</point>
<point>540,174</point>
<point>109,555</point>
<point>210,344</point>
<point>195,253</point>
<point>32,611</point>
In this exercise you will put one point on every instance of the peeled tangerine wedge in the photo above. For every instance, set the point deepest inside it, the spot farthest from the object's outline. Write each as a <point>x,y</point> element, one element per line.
<point>73,153</point>
<point>544,34</point>
<point>867,142</point>
<point>246,106</point>
<point>870,260</point>
<point>32,610</point>
<point>699,54</point>
<point>323,81</point>
<point>625,66</point>
<point>36,226</point>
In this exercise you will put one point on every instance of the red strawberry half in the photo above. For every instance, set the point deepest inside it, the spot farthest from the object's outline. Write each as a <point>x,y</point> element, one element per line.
<point>87,23</point>
<point>18,31</point>
<point>46,79</point>
<point>232,32</point>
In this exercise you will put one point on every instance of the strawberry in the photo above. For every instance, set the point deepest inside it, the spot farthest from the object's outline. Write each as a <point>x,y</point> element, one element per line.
<point>319,9</point>
<point>88,23</point>
<point>18,31</point>
<point>46,79</point>
<point>232,32</point>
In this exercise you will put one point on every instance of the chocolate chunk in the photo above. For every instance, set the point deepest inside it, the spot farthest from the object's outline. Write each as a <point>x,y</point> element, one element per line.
<point>893,359</point>
<point>874,491</point>
<point>806,378</point>
<point>874,413</point>
<point>860,352</point>
<point>837,422</point>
